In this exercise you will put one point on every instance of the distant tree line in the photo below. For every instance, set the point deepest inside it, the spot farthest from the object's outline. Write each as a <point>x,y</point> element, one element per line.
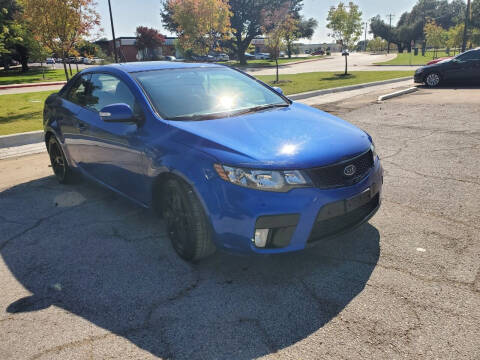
<point>432,23</point>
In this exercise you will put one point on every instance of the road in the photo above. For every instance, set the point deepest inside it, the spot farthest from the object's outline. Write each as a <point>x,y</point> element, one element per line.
<point>86,274</point>
<point>336,62</point>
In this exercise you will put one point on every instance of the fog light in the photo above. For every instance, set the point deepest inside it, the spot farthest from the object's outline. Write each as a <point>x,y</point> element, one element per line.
<point>261,237</point>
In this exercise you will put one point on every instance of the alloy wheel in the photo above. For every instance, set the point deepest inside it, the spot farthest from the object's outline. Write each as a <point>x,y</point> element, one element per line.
<point>433,79</point>
<point>177,221</point>
<point>57,160</point>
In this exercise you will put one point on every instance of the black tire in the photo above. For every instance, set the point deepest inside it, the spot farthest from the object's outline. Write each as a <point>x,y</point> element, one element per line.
<point>60,167</point>
<point>187,224</point>
<point>433,79</point>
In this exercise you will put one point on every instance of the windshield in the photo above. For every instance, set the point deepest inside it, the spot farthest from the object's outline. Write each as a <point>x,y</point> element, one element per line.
<point>205,93</point>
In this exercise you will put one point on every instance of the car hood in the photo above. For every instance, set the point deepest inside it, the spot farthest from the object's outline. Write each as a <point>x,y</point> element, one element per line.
<point>296,137</point>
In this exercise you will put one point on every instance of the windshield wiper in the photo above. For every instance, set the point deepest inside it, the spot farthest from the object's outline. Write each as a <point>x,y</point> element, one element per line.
<point>198,117</point>
<point>260,108</point>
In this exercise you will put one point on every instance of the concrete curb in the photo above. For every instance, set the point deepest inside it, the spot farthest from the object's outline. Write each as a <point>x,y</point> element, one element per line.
<point>398,93</point>
<point>21,139</point>
<point>16,86</point>
<point>380,65</point>
<point>314,93</point>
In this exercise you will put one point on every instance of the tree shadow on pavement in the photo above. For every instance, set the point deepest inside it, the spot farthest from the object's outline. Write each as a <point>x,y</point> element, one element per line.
<point>90,252</point>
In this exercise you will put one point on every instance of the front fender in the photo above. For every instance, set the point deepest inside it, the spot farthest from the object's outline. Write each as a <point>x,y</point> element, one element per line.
<point>191,165</point>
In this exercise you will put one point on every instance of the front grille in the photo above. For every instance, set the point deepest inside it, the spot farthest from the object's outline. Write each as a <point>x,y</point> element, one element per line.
<point>338,224</point>
<point>332,176</point>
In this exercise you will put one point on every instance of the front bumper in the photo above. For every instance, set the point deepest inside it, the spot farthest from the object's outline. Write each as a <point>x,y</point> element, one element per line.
<point>302,216</point>
<point>418,78</point>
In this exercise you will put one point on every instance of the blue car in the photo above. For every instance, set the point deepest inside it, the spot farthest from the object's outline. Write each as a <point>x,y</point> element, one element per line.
<point>229,162</point>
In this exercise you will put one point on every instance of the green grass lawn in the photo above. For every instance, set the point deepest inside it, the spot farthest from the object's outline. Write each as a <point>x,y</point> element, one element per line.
<point>22,112</point>
<point>14,76</point>
<point>270,63</point>
<point>410,59</point>
<point>297,83</point>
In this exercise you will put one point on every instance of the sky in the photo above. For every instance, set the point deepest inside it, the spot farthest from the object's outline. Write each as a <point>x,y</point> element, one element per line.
<point>129,14</point>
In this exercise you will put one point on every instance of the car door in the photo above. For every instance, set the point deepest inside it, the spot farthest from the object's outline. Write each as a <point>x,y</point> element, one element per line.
<point>464,68</point>
<point>475,66</point>
<point>72,104</point>
<point>112,153</point>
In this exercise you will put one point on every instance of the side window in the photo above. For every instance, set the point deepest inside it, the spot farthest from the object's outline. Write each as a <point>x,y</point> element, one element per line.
<point>470,55</point>
<point>106,90</point>
<point>77,92</point>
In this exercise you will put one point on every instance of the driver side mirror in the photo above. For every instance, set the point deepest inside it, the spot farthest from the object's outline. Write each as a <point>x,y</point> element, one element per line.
<point>118,113</point>
<point>278,90</point>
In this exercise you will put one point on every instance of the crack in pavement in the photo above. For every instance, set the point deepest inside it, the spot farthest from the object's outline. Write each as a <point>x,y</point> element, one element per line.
<point>38,222</point>
<point>405,143</point>
<point>462,284</point>
<point>433,214</point>
<point>5,220</point>
<point>431,176</point>
<point>468,133</point>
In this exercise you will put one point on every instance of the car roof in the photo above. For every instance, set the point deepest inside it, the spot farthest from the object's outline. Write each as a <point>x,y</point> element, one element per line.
<point>158,65</point>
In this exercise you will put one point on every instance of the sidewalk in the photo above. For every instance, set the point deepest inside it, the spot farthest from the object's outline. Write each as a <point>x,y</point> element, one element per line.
<point>46,83</point>
<point>26,88</point>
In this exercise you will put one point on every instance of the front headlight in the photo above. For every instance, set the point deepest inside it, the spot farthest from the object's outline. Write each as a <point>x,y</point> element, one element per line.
<point>266,180</point>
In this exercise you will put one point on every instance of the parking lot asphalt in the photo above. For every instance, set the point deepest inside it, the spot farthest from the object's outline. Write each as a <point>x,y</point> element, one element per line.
<point>85,274</point>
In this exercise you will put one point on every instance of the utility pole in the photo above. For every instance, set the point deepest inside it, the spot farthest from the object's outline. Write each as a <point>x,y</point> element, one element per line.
<point>465,31</point>
<point>113,32</point>
<point>390,16</point>
<point>365,43</point>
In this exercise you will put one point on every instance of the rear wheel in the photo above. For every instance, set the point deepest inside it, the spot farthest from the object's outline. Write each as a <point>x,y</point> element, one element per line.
<point>59,163</point>
<point>433,79</point>
<point>186,221</point>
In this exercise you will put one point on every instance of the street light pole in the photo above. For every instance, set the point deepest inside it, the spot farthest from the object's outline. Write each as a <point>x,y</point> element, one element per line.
<point>113,33</point>
<point>365,43</point>
<point>390,16</point>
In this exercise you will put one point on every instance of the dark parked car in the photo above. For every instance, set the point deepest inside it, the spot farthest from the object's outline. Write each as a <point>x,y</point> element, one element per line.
<point>462,68</point>
<point>229,161</point>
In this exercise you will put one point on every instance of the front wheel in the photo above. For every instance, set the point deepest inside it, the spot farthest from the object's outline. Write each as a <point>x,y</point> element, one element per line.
<point>433,79</point>
<point>186,221</point>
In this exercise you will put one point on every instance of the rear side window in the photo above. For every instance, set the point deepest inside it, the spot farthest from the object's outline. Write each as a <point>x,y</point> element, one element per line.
<point>105,89</point>
<point>469,55</point>
<point>77,93</point>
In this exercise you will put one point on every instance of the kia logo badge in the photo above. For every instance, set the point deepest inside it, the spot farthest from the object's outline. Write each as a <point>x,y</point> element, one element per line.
<point>350,170</point>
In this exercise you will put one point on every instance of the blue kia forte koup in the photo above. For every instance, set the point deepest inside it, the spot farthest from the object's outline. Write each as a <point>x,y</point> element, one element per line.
<point>228,161</point>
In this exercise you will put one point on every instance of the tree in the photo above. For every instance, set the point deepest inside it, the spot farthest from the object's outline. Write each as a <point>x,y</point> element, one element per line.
<point>246,21</point>
<point>200,24</point>
<point>9,28</point>
<point>379,28</point>
<point>377,44</point>
<point>60,24</point>
<point>346,25</point>
<point>411,24</point>
<point>279,23</point>
<point>148,40</point>
<point>298,28</point>
<point>435,36</point>
<point>455,36</point>
<point>475,13</point>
